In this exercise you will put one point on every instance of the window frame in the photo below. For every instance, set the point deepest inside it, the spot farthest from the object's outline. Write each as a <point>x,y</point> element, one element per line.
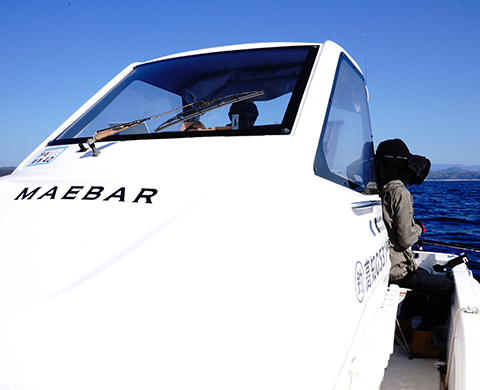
<point>283,128</point>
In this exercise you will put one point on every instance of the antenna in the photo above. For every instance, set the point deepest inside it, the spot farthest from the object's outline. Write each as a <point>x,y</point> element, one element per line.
<point>365,53</point>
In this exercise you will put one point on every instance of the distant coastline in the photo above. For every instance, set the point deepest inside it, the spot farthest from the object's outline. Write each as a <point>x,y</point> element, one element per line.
<point>452,174</point>
<point>427,179</point>
<point>4,171</point>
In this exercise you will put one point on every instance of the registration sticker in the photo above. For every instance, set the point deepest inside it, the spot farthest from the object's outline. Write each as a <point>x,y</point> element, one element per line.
<point>47,156</point>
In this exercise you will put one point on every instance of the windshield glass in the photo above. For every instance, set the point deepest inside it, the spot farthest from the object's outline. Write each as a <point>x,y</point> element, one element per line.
<point>256,90</point>
<point>345,152</point>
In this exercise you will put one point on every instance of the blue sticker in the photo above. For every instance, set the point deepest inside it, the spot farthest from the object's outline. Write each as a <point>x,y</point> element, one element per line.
<point>47,156</point>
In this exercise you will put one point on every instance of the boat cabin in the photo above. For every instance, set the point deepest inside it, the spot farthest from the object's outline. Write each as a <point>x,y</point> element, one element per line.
<point>206,220</point>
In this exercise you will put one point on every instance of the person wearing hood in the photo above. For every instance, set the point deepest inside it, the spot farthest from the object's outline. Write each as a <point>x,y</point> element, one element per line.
<point>247,113</point>
<point>430,294</point>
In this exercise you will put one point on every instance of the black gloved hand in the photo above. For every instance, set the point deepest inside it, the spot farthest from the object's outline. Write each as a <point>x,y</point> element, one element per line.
<point>419,223</point>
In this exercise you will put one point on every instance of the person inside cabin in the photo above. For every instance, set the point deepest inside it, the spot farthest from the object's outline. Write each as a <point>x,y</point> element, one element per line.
<point>430,294</point>
<point>359,172</point>
<point>247,114</point>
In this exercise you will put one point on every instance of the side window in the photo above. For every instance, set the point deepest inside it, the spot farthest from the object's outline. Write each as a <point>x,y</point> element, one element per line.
<point>345,151</point>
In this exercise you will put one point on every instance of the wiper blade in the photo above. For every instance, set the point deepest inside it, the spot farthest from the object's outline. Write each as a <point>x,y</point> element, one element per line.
<point>203,107</point>
<point>197,108</point>
<point>101,134</point>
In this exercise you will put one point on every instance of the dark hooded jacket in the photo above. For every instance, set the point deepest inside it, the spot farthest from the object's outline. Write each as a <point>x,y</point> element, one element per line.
<point>396,167</point>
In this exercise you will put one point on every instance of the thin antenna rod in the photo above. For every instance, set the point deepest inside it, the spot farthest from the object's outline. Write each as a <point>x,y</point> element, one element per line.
<point>365,52</point>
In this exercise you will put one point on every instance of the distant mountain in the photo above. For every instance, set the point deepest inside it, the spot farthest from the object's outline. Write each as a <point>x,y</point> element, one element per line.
<point>453,173</point>
<point>441,167</point>
<point>454,170</point>
<point>4,171</point>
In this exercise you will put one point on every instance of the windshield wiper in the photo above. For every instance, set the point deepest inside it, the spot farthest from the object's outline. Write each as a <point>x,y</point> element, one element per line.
<point>101,134</point>
<point>209,105</point>
<point>196,108</point>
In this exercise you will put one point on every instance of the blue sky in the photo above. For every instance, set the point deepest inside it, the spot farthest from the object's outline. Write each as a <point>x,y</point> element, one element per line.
<point>421,59</point>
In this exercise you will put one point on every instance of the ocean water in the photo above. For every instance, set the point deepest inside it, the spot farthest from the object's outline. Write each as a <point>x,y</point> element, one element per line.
<point>451,214</point>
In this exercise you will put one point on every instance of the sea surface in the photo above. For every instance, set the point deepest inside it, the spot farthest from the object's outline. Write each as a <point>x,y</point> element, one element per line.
<point>451,214</point>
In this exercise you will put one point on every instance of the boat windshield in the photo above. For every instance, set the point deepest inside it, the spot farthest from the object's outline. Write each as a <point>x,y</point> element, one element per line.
<point>246,92</point>
<point>345,151</point>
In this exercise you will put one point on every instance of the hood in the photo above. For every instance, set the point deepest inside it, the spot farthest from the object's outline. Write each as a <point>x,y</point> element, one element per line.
<point>69,221</point>
<point>137,276</point>
<point>393,161</point>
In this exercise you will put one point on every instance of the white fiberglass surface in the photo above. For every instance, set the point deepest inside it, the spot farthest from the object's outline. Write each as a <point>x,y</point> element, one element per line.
<point>223,275</point>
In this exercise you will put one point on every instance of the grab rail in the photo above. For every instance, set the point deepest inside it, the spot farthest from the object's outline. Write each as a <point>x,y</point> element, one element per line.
<point>365,204</point>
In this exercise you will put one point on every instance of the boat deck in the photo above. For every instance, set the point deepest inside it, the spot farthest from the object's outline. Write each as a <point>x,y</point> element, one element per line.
<point>403,373</point>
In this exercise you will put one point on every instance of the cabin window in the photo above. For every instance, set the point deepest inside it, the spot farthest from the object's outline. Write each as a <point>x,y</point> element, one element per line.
<point>194,94</point>
<point>345,151</point>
